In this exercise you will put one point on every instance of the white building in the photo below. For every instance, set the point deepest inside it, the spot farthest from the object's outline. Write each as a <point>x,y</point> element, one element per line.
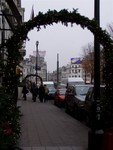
<point>72,70</point>
<point>29,67</point>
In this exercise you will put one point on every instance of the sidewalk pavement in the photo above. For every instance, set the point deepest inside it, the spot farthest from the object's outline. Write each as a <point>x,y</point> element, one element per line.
<point>47,127</point>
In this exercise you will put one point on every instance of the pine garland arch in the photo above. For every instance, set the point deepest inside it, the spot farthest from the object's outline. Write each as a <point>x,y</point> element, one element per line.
<point>64,16</point>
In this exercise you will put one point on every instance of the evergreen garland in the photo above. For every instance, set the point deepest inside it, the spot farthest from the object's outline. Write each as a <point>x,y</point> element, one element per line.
<point>65,17</point>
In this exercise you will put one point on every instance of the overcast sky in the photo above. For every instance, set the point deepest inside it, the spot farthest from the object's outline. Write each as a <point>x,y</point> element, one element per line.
<point>69,41</point>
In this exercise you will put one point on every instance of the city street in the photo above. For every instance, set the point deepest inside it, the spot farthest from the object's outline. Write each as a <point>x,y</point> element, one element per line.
<point>47,127</point>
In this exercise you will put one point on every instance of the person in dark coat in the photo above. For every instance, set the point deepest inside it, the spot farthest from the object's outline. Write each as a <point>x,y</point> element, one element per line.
<point>41,93</point>
<point>46,93</point>
<point>34,91</point>
<point>24,91</point>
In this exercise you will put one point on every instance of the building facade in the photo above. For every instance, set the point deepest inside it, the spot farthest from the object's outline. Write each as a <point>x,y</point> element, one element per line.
<point>29,67</point>
<point>72,70</point>
<point>11,15</point>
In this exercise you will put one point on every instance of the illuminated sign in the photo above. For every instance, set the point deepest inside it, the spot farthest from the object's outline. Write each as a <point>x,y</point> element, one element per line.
<point>75,61</point>
<point>41,53</point>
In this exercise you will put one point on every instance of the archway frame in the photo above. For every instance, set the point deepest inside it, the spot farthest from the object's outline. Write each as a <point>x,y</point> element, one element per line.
<point>65,17</point>
<point>34,75</point>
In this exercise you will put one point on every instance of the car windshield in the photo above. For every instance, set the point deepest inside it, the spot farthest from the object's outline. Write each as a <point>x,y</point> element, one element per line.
<point>51,89</point>
<point>75,83</point>
<point>62,92</point>
<point>50,85</point>
<point>82,90</point>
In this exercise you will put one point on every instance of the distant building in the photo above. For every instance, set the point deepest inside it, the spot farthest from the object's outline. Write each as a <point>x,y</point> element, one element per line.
<point>29,65</point>
<point>76,69</point>
<point>73,69</point>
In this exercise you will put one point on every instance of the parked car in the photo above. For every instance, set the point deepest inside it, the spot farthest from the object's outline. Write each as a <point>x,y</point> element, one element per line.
<point>51,93</point>
<point>59,98</point>
<point>75,98</point>
<point>89,103</point>
<point>51,88</point>
<point>61,85</point>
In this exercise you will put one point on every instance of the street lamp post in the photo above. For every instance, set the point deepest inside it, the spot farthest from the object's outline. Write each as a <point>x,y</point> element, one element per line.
<point>57,69</point>
<point>96,133</point>
<point>37,43</point>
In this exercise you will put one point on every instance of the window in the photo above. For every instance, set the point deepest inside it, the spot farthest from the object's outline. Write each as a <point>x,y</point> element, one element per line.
<point>72,71</point>
<point>75,71</point>
<point>78,70</point>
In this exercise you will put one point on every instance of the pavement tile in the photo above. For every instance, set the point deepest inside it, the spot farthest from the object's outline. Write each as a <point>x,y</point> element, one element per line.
<point>52,148</point>
<point>26,148</point>
<point>47,127</point>
<point>65,148</point>
<point>79,148</point>
<point>38,148</point>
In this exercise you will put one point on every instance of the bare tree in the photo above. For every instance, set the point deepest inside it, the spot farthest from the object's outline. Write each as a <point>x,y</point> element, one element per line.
<point>110,30</point>
<point>88,62</point>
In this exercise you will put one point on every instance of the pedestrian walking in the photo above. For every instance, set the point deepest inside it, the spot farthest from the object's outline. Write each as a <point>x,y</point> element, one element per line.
<point>34,91</point>
<point>24,92</point>
<point>41,92</point>
<point>46,93</point>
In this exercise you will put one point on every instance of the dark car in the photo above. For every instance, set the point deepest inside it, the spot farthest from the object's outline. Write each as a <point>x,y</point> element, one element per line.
<point>75,98</point>
<point>59,98</point>
<point>51,93</point>
<point>89,103</point>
